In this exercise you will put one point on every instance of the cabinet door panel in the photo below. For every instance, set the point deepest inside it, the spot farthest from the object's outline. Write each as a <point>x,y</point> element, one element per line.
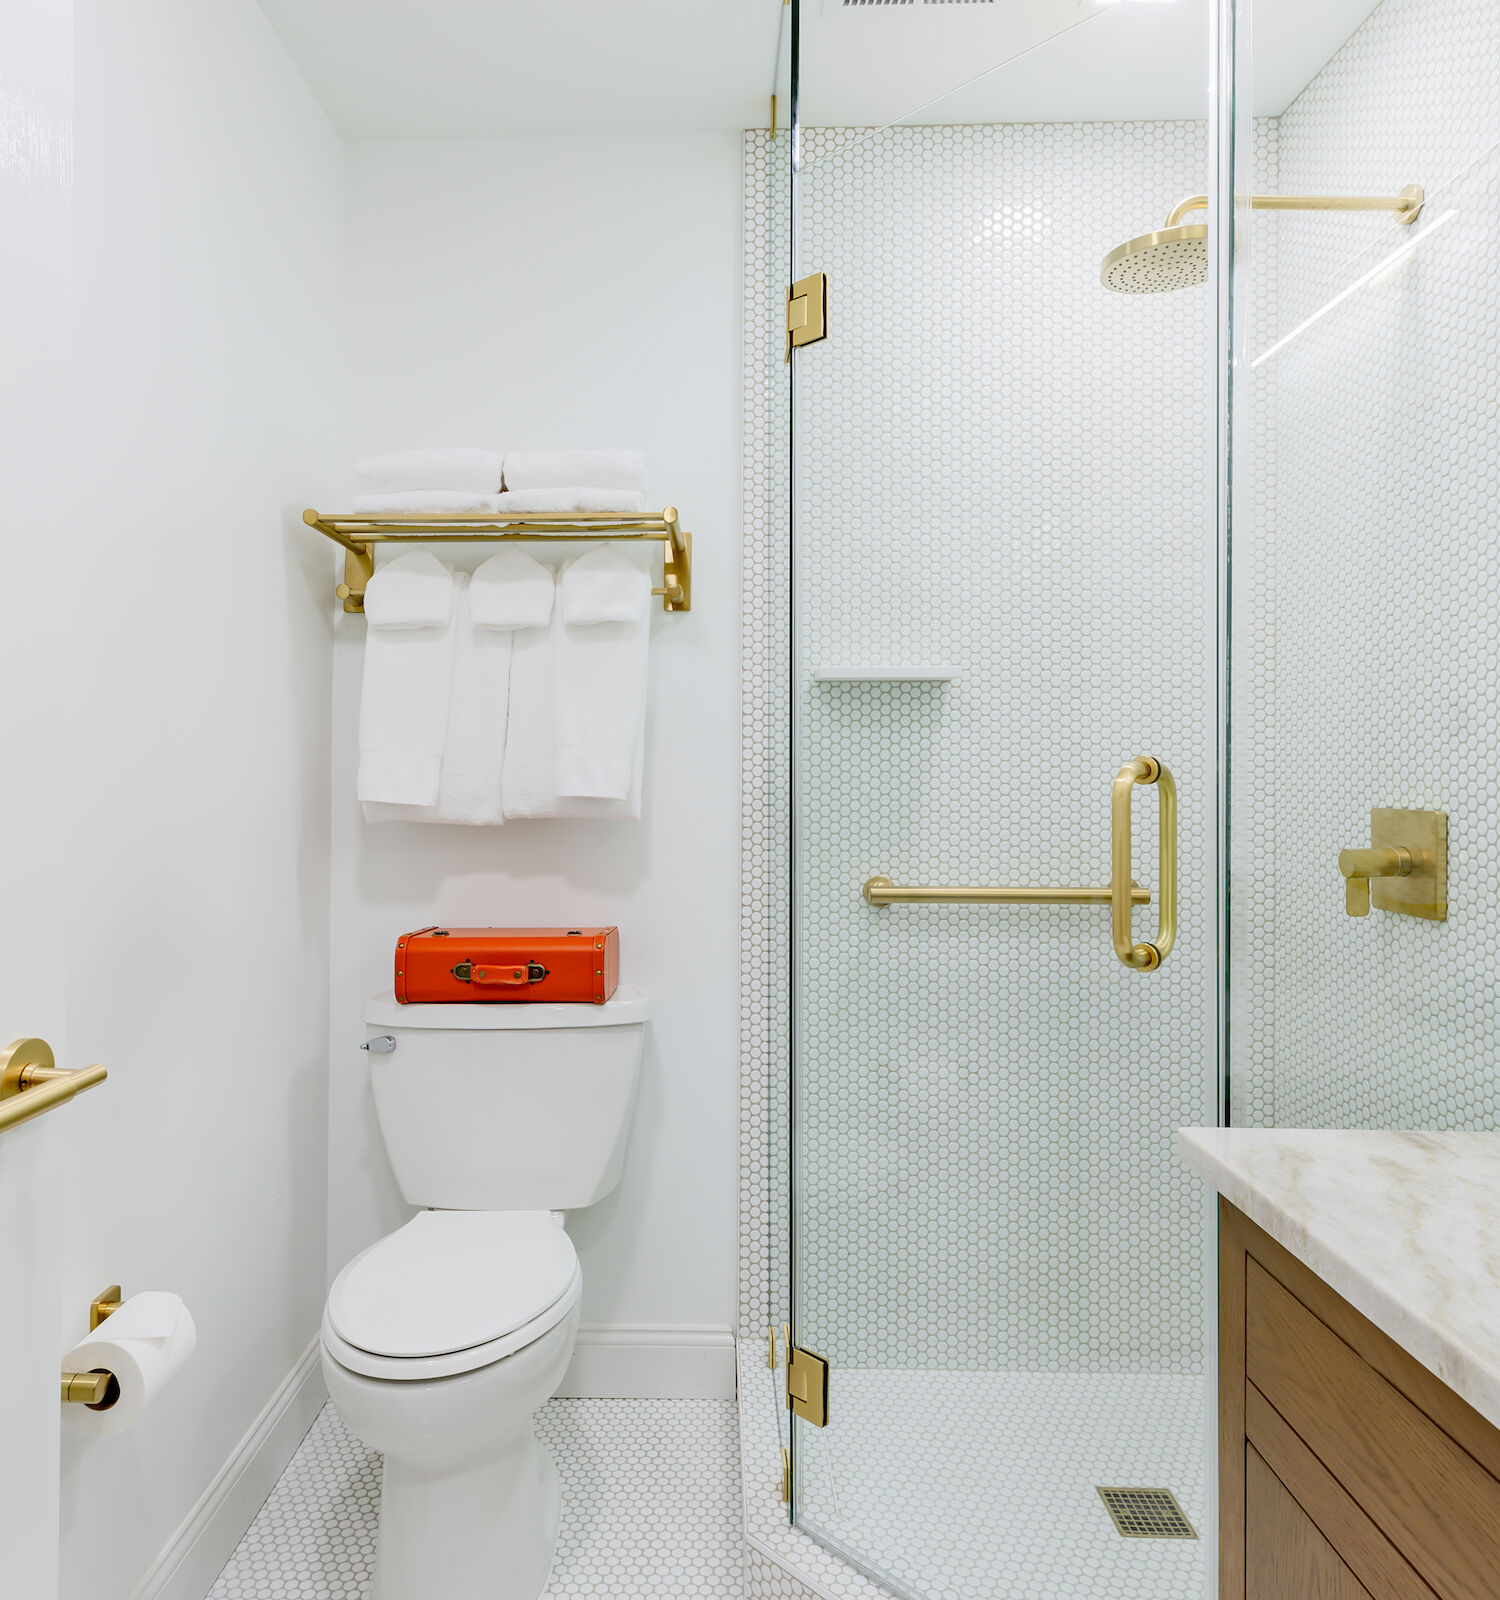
<point>1286,1558</point>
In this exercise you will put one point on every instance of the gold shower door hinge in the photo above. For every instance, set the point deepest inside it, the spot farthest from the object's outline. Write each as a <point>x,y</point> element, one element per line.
<point>806,312</point>
<point>806,1382</point>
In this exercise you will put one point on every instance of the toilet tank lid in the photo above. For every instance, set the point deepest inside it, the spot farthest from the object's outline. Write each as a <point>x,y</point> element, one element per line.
<point>626,1004</point>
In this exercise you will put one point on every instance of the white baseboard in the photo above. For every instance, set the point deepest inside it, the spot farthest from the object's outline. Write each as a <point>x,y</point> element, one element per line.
<point>634,1362</point>
<point>196,1553</point>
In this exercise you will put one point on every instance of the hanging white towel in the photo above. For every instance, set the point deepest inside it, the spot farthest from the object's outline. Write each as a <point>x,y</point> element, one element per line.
<point>455,500</point>
<point>508,591</point>
<point>568,469</point>
<point>477,471</point>
<point>625,502</point>
<point>531,771</point>
<point>601,673</point>
<point>403,713</point>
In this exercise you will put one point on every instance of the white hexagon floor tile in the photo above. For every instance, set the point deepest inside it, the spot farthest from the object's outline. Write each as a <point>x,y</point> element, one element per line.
<point>651,1508</point>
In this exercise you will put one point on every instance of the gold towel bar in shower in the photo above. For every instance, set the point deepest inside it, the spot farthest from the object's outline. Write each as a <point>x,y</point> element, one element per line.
<point>360,532</point>
<point>1120,894</point>
<point>880,891</point>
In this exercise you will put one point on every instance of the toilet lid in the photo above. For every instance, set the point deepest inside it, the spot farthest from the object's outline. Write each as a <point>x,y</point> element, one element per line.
<point>450,1280</point>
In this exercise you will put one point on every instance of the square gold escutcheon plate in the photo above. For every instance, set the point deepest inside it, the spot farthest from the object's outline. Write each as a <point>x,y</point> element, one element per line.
<point>1425,833</point>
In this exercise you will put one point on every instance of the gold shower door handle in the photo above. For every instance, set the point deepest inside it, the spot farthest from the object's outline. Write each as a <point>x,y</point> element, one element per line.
<point>1143,957</point>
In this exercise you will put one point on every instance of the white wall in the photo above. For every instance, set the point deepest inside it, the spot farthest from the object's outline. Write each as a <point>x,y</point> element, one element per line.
<point>526,293</point>
<point>195,773</point>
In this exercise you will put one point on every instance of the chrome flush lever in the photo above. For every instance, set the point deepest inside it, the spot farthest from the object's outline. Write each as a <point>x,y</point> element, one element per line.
<point>380,1045</point>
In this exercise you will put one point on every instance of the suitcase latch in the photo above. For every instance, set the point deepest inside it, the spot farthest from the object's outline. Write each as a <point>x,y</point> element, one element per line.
<point>502,976</point>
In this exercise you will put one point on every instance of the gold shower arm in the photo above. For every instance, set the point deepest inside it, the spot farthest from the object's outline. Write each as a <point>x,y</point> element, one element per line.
<point>1406,206</point>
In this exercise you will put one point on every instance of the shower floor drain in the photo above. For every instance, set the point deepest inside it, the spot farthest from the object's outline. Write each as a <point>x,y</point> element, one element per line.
<point>1146,1514</point>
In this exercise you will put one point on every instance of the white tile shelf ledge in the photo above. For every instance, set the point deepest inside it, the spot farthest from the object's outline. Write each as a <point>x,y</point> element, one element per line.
<point>909,674</point>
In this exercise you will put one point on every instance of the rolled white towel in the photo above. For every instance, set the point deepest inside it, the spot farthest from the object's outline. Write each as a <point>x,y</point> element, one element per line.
<point>566,469</point>
<point>455,500</point>
<point>626,502</point>
<point>414,590</point>
<point>477,471</point>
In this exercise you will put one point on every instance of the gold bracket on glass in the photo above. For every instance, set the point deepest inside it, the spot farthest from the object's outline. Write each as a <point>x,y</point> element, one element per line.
<point>1405,869</point>
<point>1143,957</point>
<point>31,1082</point>
<point>806,312</point>
<point>358,534</point>
<point>806,1382</point>
<point>786,1475</point>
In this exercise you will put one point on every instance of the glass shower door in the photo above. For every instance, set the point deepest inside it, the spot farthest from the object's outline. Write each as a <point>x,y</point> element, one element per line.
<point>1003,592</point>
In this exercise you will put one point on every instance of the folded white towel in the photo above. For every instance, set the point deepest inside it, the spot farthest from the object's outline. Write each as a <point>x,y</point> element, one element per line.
<point>474,745</point>
<point>530,778</point>
<point>427,500</point>
<point>510,590</point>
<point>566,469</point>
<point>601,673</point>
<point>408,677</point>
<point>627,502</point>
<point>477,471</point>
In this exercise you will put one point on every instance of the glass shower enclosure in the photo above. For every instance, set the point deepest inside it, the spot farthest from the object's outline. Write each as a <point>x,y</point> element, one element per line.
<point>1003,593</point>
<point>1156,423</point>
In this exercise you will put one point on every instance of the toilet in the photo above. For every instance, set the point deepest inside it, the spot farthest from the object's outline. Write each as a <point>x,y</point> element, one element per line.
<point>442,1339</point>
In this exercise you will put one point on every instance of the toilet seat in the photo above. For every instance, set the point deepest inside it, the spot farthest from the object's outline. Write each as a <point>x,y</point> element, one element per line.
<point>450,1292</point>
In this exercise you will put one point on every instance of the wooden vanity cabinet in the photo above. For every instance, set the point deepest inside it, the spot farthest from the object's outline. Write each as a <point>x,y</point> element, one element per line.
<point>1346,1469</point>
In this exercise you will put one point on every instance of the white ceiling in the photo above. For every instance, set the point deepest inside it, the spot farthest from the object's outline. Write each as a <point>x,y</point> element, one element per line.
<point>456,69</point>
<point>399,69</point>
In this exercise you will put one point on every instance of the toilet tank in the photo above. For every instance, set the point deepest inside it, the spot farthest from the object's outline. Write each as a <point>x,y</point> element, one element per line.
<point>506,1107</point>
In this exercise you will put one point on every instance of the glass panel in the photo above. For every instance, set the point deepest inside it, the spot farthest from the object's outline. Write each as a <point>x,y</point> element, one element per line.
<point>1004,590</point>
<point>1367,568</point>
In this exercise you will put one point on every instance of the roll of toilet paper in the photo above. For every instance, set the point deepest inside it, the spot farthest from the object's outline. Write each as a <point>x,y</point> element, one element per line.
<point>146,1343</point>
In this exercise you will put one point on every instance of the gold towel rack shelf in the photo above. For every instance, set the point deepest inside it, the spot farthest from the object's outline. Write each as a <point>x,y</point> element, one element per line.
<point>1121,894</point>
<point>358,533</point>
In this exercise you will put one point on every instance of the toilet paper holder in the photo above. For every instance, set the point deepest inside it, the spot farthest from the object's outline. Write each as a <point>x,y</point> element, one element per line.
<point>98,1389</point>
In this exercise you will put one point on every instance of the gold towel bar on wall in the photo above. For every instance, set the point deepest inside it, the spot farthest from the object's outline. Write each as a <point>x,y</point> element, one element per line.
<point>31,1082</point>
<point>359,533</point>
<point>1120,894</point>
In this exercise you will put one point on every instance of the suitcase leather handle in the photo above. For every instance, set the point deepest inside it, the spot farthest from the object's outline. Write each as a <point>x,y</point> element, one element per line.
<point>500,977</point>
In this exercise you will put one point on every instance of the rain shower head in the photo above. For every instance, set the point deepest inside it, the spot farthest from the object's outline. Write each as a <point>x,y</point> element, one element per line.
<point>1170,258</point>
<point>1176,257</point>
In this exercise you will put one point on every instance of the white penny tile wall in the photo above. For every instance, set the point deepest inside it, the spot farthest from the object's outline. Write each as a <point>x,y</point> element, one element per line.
<point>1366,521</point>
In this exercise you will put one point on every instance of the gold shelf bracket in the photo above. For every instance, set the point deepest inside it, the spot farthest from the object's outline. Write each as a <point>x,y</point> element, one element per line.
<point>358,534</point>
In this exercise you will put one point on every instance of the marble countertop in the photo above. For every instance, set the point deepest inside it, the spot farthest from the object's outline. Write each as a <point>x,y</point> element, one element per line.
<point>1405,1226</point>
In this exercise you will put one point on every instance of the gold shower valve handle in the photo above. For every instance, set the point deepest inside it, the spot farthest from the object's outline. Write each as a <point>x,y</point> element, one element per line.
<point>1359,866</point>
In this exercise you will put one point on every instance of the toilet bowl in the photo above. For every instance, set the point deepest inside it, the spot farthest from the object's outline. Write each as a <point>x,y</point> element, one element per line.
<point>441,1340</point>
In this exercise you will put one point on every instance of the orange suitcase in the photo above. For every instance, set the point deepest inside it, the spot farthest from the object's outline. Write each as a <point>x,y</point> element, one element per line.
<point>505,965</point>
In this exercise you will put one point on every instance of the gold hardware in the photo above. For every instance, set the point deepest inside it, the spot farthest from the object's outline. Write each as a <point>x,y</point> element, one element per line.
<point>806,1382</point>
<point>358,534</point>
<point>1405,869</point>
<point>31,1082</point>
<point>772,134</point>
<point>1143,957</point>
<point>98,1390</point>
<point>771,1354</point>
<point>786,1475</point>
<point>806,312</point>
<point>1407,205</point>
<point>104,1304</point>
<point>880,891</point>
